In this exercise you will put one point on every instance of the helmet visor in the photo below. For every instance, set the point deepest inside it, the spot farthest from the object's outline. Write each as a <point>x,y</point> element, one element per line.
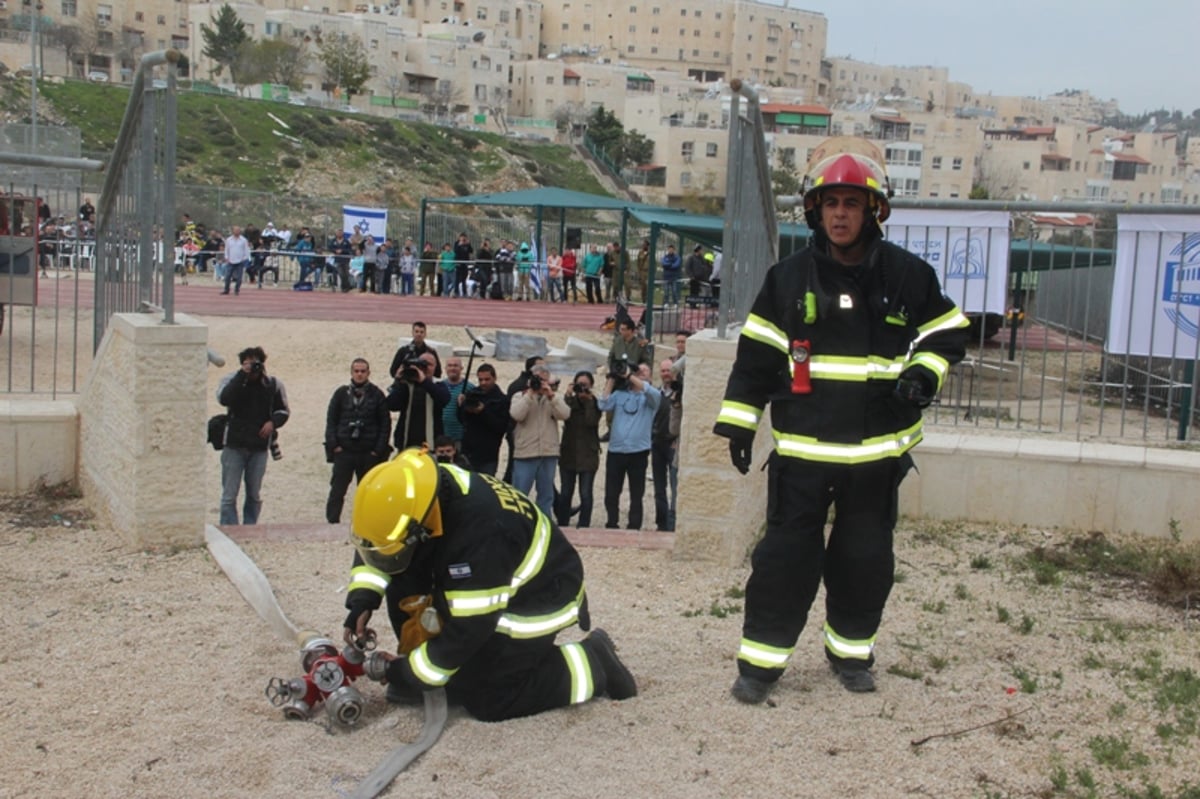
<point>395,554</point>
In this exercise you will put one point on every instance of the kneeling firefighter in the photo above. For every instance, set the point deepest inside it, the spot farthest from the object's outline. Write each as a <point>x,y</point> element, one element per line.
<point>478,582</point>
<point>848,340</point>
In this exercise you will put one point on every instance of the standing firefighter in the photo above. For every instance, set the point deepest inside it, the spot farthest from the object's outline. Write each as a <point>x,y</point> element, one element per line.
<point>848,340</point>
<point>478,582</point>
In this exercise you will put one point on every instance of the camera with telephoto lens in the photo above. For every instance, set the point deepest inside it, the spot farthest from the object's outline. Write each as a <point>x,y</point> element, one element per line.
<point>276,452</point>
<point>580,388</point>
<point>536,382</point>
<point>356,426</point>
<point>412,370</point>
<point>473,399</point>
<point>256,367</point>
<point>620,369</point>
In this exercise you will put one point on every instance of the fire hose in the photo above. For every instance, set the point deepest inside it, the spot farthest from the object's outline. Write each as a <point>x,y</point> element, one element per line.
<point>329,673</point>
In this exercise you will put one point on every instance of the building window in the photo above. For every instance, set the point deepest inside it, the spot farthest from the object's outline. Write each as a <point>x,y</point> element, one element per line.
<point>686,150</point>
<point>633,9</point>
<point>633,28</point>
<point>937,162</point>
<point>504,16</point>
<point>549,80</point>
<point>481,13</point>
<point>68,8</point>
<point>654,31</point>
<point>710,149</point>
<point>655,11</point>
<point>1025,165</point>
<point>566,26</point>
<point>138,16</point>
<point>653,51</point>
<point>481,92</point>
<point>587,26</point>
<point>956,164</point>
<point>685,179</point>
<point>162,19</point>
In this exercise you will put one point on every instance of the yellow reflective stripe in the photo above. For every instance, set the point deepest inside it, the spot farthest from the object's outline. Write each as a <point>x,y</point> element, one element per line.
<point>759,329</point>
<point>479,602</point>
<point>535,558</point>
<point>934,363</point>
<point>853,369</point>
<point>739,414</point>
<point>424,668</point>
<point>582,686</point>
<point>871,449</point>
<point>951,320</point>
<point>369,578</point>
<point>847,647</point>
<point>460,475</point>
<point>764,656</point>
<point>515,626</point>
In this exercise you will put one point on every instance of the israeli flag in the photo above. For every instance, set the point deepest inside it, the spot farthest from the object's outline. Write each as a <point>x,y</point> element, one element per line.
<point>535,274</point>
<point>367,221</point>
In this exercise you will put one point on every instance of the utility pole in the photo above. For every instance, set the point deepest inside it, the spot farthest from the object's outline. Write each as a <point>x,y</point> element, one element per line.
<point>34,68</point>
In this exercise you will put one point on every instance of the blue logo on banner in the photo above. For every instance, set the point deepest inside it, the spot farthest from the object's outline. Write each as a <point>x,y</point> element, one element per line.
<point>1181,283</point>
<point>966,260</point>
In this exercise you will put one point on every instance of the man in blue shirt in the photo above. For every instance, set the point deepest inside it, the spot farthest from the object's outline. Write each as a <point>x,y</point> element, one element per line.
<point>633,401</point>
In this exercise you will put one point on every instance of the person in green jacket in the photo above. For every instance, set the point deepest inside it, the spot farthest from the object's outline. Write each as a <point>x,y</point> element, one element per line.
<point>593,265</point>
<point>446,266</point>
<point>524,267</point>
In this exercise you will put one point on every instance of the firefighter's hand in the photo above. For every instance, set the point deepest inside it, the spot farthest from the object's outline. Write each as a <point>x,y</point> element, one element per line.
<point>740,452</point>
<point>914,388</point>
<point>355,628</point>
<point>400,672</point>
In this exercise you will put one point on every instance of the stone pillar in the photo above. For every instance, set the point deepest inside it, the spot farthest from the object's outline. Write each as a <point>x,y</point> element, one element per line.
<point>720,511</point>
<point>142,430</point>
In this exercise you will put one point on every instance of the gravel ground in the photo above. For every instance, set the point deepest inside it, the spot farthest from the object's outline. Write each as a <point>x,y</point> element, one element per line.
<point>142,673</point>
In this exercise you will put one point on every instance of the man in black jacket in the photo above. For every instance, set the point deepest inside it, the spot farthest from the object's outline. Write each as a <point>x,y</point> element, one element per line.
<point>415,348</point>
<point>357,425</point>
<point>419,400</point>
<point>483,412</point>
<point>257,407</point>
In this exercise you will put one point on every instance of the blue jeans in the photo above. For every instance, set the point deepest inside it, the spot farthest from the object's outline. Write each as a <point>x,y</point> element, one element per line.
<point>237,465</point>
<point>234,275</point>
<point>529,473</point>
<point>670,289</point>
<point>406,285</point>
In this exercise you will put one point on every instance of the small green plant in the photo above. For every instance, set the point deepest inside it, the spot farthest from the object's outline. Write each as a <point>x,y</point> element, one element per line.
<point>1059,779</point>
<point>1116,753</point>
<point>1002,614</point>
<point>938,663</point>
<point>900,577</point>
<point>1028,682</point>
<point>736,592</point>
<point>1117,711</point>
<point>981,563</point>
<point>961,592</point>
<point>907,673</point>
<point>1026,625</point>
<point>934,607</point>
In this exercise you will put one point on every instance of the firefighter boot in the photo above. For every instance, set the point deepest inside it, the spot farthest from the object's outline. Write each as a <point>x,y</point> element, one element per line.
<point>619,682</point>
<point>749,690</point>
<point>858,681</point>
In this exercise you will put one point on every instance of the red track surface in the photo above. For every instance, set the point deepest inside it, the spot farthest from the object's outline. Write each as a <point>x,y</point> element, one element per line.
<point>202,297</point>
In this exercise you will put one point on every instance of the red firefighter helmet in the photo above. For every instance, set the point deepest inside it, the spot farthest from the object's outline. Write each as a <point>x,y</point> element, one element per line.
<point>847,161</point>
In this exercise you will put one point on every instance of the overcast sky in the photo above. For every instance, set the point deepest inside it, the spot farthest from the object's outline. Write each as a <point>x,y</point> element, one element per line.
<point>1146,54</point>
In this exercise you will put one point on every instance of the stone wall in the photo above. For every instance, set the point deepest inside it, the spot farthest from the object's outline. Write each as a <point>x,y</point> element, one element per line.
<point>39,439</point>
<point>142,430</point>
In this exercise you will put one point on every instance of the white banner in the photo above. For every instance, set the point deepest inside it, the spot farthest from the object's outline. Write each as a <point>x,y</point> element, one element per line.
<point>968,249</point>
<point>371,221</point>
<point>1156,287</point>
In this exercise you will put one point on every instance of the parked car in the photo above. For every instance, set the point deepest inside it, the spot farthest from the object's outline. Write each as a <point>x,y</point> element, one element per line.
<point>96,76</point>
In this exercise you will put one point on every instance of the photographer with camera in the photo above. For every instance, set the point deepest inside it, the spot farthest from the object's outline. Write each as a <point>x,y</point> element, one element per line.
<point>536,412</point>
<point>257,406</point>
<point>664,444</point>
<point>357,425</point>
<point>419,400</point>
<point>633,402</point>
<point>579,457</point>
<point>483,412</point>
<point>414,349</point>
<point>628,352</point>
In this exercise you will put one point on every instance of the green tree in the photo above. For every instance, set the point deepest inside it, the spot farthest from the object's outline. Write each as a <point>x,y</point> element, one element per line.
<point>978,192</point>
<point>224,41</point>
<point>346,63</point>
<point>636,149</point>
<point>282,62</point>
<point>605,131</point>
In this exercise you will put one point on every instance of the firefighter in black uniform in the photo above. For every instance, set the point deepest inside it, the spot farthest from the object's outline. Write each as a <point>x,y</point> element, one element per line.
<point>478,582</point>
<point>848,340</point>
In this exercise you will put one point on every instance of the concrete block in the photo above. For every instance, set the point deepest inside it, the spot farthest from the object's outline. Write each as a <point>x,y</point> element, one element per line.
<point>40,442</point>
<point>518,346</point>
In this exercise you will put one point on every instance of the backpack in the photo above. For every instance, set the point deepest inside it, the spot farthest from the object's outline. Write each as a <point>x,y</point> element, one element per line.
<point>495,292</point>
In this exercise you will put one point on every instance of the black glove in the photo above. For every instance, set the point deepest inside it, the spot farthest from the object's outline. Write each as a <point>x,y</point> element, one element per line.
<point>740,452</point>
<point>350,625</point>
<point>914,388</point>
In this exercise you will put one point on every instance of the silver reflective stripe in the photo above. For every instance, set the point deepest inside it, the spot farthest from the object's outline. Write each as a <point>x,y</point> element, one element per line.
<point>582,686</point>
